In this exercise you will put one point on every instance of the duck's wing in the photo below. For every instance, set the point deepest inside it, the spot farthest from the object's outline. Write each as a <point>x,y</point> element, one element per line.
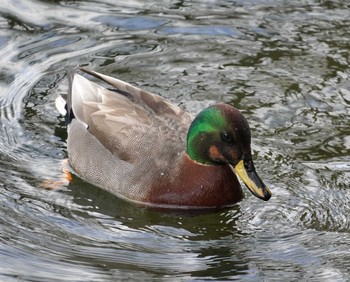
<point>130,122</point>
<point>158,104</point>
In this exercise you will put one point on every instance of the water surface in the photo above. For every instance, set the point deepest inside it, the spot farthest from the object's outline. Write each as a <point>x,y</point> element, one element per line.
<point>285,64</point>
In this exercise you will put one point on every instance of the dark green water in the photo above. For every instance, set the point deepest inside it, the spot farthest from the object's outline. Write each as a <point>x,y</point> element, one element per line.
<point>285,64</point>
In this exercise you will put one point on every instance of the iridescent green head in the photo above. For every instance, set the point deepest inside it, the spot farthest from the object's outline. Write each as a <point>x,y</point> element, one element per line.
<point>220,135</point>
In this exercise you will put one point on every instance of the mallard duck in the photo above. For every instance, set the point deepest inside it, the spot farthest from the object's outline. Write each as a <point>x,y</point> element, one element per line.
<point>143,148</point>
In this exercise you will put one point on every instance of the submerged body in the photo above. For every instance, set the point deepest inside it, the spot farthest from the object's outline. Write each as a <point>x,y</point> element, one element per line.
<point>143,148</point>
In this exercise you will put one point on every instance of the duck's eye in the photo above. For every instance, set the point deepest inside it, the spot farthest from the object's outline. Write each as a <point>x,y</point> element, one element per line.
<point>226,137</point>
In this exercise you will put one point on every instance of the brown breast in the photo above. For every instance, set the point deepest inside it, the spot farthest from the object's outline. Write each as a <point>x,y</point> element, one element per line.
<point>195,185</point>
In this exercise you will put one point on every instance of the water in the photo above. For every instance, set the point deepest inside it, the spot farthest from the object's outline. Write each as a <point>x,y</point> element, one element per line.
<point>285,64</point>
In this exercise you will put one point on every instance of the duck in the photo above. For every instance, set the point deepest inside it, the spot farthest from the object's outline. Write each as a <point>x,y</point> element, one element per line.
<point>147,150</point>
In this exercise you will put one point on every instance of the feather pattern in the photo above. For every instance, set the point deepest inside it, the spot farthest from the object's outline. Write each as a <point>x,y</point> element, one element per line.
<point>118,134</point>
<point>132,143</point>
<point>128,124</point>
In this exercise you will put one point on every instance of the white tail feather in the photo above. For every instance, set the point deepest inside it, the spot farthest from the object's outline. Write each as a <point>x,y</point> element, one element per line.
<point>60,104</point>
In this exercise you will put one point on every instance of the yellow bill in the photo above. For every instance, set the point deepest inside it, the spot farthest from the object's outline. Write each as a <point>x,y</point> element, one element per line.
<point>252,181</point>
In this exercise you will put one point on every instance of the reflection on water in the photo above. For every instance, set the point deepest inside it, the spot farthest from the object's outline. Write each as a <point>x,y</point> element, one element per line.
<point>285,65</point>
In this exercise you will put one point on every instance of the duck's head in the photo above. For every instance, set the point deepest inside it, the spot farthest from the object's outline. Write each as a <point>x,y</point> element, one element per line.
<point>220,135</point>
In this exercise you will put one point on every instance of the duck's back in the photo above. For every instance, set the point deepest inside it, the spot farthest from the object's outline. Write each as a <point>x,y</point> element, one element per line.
<point>121,139</point>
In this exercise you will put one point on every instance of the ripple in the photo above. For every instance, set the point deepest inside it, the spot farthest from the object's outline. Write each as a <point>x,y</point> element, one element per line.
<point>131,23</point>
<point>211,30</point>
